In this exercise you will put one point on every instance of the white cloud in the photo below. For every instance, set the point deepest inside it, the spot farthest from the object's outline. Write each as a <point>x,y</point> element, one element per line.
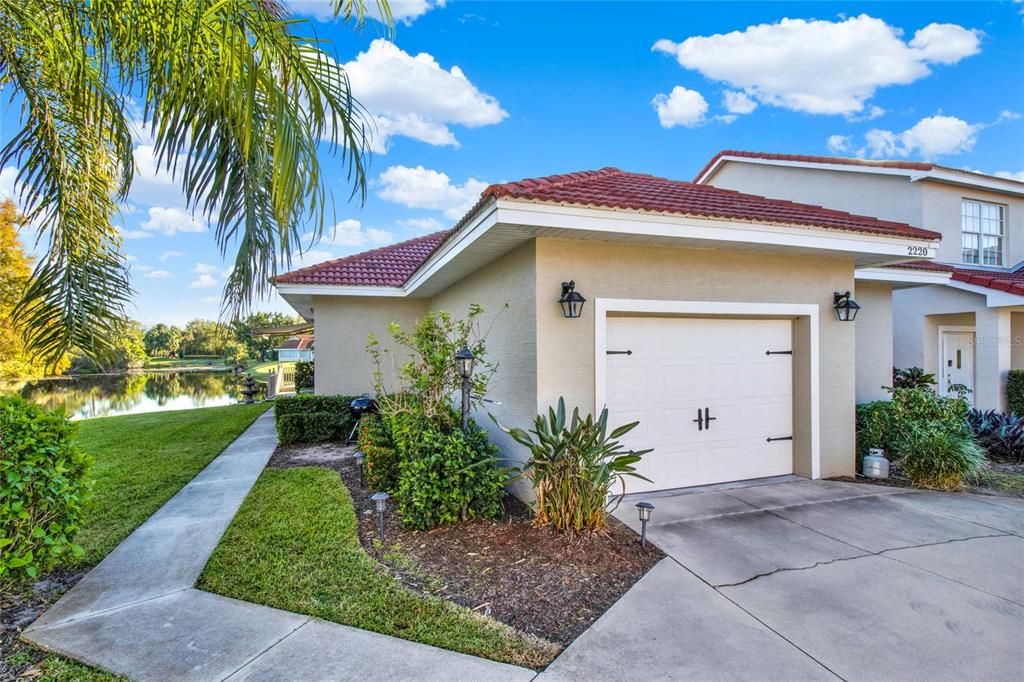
<point>680,107</point>
<point>821,67</point>
<point>170,221</point>
<point>158,274</point>
<point>135,234</point>
<point>415,97</point>
<point>838,143</point>
<point>873,112</point>
<point>203,281</point>
<point>930,137</point>
<point>402,11</point>
<point>352,233</point>
<point>421,187</point>
<point>1011,175</point>
<point>167,255</point>
<point>207,269</point>
<point>738,102</point>
<point>8,184</point>
<point>425,224</point>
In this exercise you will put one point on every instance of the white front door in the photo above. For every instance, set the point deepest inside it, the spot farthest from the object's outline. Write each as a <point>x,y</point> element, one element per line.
<point>714,397</point>
<point>957,361</point>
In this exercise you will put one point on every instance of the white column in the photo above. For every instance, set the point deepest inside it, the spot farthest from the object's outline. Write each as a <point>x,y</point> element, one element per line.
<point>991,357</point>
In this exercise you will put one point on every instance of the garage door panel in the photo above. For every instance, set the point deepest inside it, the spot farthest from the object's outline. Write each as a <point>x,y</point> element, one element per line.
<point>679,366</point>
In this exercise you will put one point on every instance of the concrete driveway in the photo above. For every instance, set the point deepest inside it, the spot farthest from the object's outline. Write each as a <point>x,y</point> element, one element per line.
<point>818,580</point>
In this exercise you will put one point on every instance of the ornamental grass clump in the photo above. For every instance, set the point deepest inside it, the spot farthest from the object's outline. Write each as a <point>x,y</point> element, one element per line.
<point>43,488</point>
<point>575,467</point>
<point>926,434</point>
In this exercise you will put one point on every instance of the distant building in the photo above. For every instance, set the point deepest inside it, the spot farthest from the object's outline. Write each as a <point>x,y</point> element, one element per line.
<point>296,348</point>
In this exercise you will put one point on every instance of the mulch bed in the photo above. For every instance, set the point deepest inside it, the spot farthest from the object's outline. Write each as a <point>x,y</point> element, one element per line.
<point>19,609</point>
<point>535,580</point>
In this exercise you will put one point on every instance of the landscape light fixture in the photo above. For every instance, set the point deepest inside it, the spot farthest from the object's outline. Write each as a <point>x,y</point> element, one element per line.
<point>645,509</point>
<point>464,360</point>
<point>360,457</point>
<point>571,301</point>
<point>380,500</point>
<point>846,308</point>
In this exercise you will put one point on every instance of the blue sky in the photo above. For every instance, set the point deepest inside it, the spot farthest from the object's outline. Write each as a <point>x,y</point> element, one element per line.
<point>472,93</point>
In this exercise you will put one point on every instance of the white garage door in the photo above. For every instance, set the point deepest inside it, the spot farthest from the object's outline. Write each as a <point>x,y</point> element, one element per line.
<point>678,372</point>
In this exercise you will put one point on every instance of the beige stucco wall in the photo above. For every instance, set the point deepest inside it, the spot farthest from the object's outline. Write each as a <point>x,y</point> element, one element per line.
<point>505,290</point>
<point>883,196</point>
<point>874,340</point>
<point>342,325</point>
<point>565,348</point>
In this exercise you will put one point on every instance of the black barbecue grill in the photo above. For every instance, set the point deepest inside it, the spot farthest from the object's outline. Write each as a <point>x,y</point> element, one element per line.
<point>362,405</point>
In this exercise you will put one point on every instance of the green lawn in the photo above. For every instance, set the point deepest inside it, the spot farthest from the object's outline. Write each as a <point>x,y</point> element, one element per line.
<point>142,460</point>
<point>294,546</point>
<point>1003,482</point>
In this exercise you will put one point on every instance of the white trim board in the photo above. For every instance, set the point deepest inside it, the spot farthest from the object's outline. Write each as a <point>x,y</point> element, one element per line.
<point>993,297</point>
<point>603,306</point>
<point>902,276</point>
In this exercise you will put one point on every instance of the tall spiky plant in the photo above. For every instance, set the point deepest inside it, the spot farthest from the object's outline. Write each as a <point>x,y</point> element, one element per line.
<point>237,100</point>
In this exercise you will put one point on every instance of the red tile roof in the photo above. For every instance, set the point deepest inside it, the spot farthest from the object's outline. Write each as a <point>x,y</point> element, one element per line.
<point>841,161</point>
<point>300,342</point>
<point>390,266</point>
<point>999,280</point>
<point>613,188</point>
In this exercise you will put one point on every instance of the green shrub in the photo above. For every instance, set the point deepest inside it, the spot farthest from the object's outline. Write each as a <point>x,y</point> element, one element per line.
<point>313,418</point>
<point>43,487</point>
<point>925,433</point>
<point>1015,391</point>
<point>303,376</point>
<point>446,477</point>
<point>1000,434</point>
<point>381,456</point>
<point>575,467</point>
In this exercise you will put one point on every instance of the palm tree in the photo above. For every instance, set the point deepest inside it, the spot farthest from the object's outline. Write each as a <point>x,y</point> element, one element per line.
<point>237,95</point>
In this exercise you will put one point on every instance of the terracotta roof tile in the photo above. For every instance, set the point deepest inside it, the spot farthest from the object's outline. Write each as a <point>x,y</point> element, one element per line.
<point>392,266</point>
<point>389,266</point>
<point>613,188</point>
<point>999,280</point>
<point>300,342</point>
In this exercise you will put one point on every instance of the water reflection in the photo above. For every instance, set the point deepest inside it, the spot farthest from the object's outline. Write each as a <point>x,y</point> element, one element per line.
<point>102,396</point>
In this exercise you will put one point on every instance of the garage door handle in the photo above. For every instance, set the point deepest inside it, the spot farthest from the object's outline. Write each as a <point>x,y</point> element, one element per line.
<point>772,440</point>
<point>699,420</point>
<point>708,418</point>
<point>618,352</point>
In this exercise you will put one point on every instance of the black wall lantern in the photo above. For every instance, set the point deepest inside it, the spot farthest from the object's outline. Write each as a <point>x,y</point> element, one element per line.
<point>846,307</point>
<point>571,300</point>
<point>464,360</point>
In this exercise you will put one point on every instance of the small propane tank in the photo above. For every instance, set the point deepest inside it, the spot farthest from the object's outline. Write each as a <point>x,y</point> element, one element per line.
<point>875,464</point>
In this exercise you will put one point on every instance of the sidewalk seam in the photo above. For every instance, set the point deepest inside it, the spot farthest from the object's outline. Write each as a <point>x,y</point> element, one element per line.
<point>260,654</point>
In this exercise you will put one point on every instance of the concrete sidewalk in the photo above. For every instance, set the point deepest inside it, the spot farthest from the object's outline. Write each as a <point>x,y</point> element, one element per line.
<point>138,614</point>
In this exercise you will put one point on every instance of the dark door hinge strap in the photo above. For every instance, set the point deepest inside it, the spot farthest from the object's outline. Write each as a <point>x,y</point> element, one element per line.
<point>772,440</point>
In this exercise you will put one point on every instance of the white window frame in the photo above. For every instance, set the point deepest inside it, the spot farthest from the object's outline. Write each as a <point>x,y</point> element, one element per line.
<point>980,234</point>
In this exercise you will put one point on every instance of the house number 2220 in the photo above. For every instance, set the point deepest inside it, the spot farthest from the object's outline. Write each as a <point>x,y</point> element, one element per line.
<point>917,250</point>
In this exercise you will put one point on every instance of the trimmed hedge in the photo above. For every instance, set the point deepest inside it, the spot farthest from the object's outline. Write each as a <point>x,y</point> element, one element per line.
<point>1015,392</point>
<point>313,418</point>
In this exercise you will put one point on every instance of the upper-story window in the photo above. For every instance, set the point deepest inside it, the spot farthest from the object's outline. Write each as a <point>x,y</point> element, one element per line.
<point>984,225</point>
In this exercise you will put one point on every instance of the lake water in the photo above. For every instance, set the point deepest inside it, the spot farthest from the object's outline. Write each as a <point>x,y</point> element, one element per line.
<point>102,396</point>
